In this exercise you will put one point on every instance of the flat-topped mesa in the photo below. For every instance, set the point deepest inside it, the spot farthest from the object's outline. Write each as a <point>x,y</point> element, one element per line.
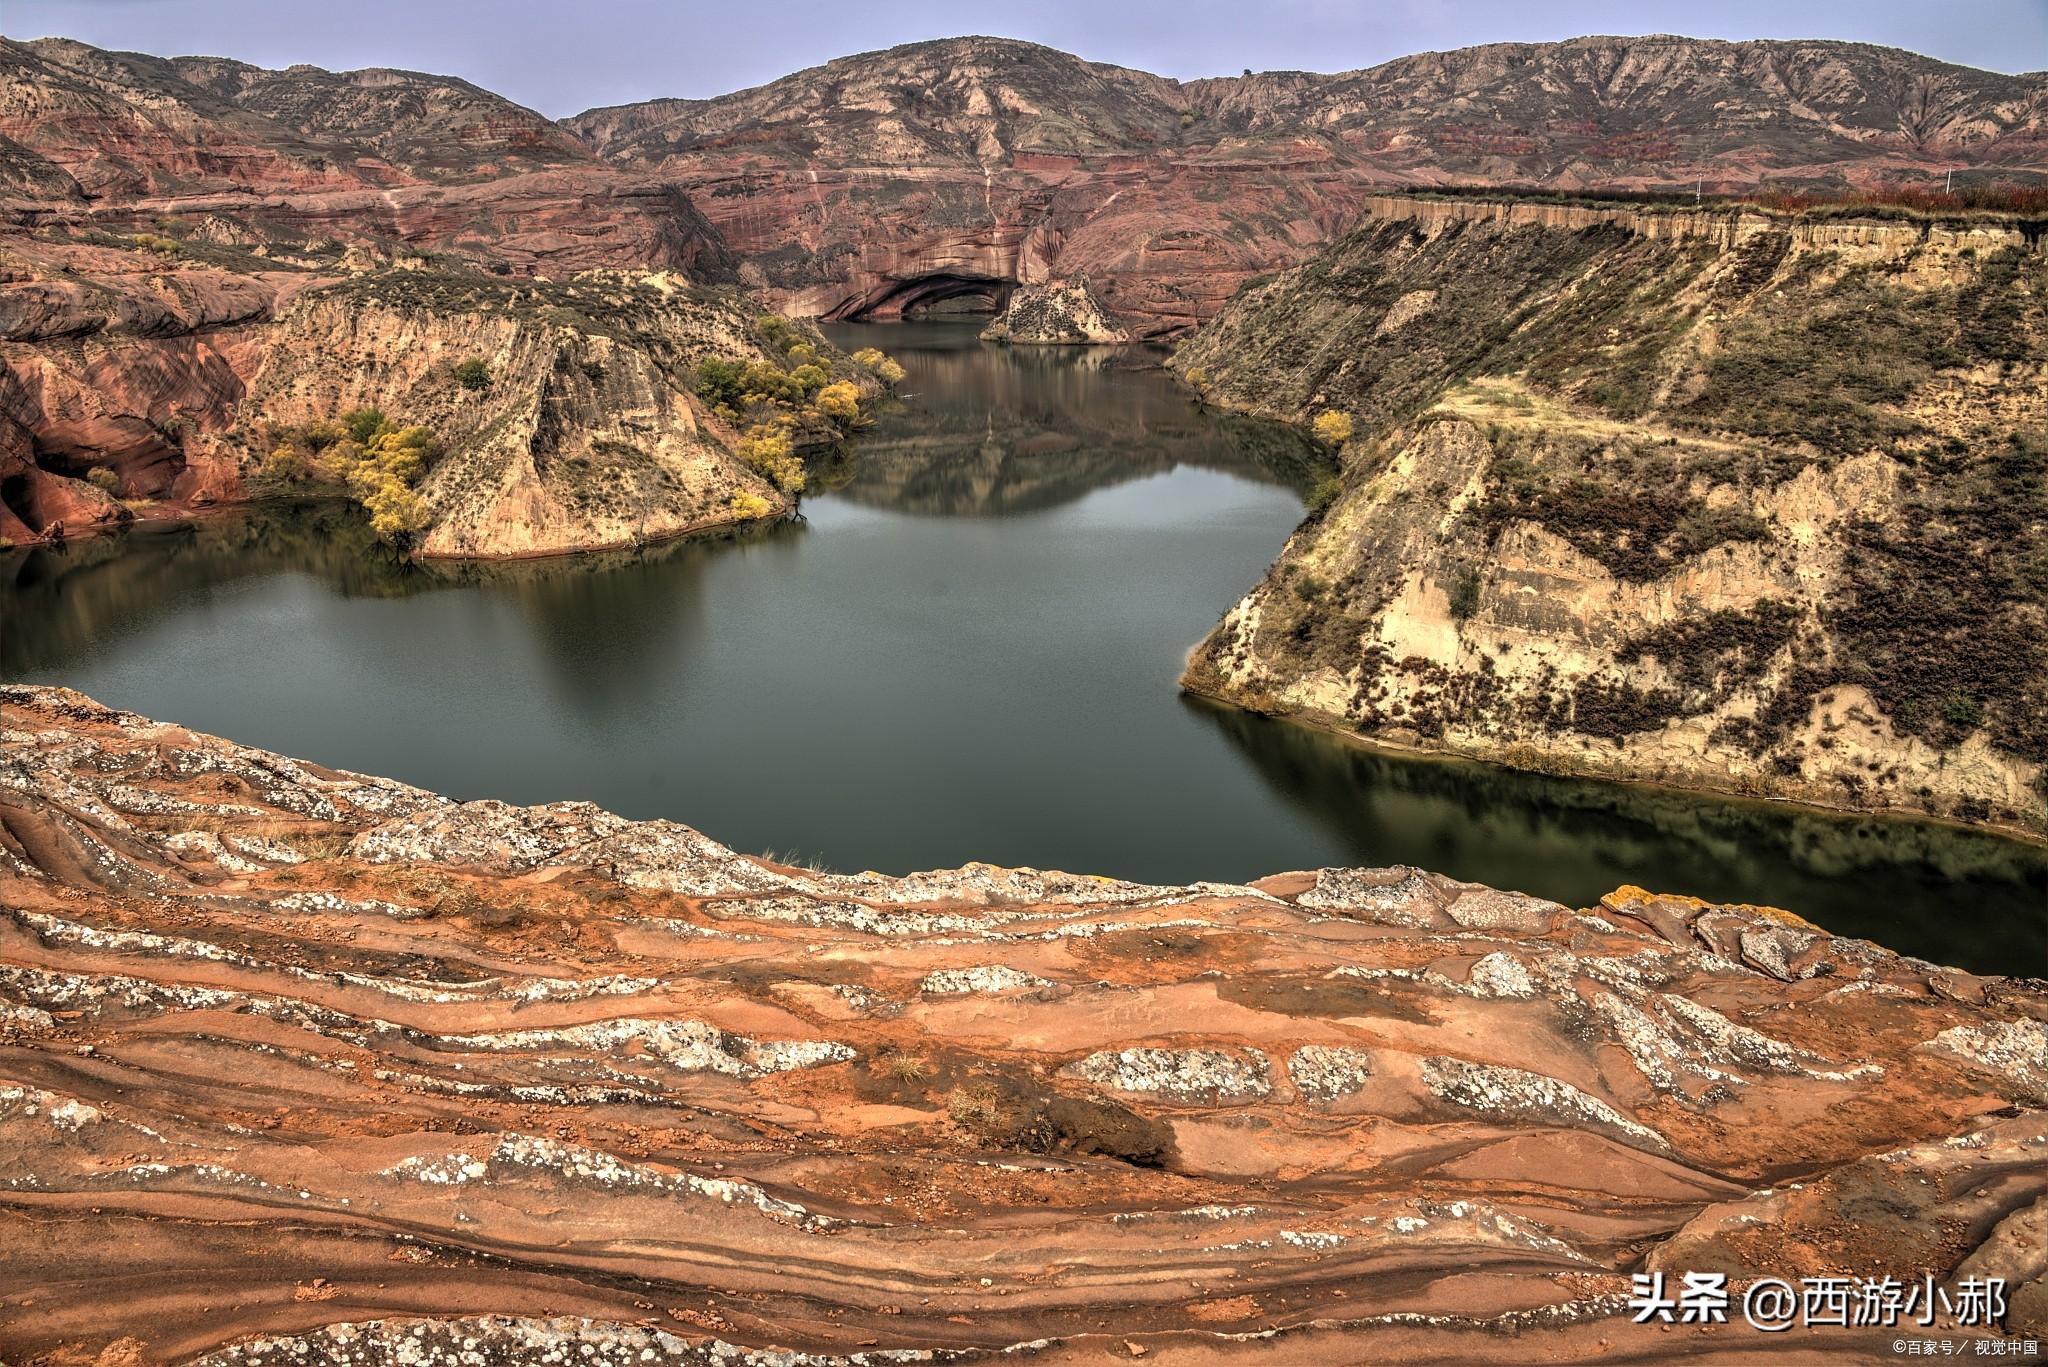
<point>1715,498</point>
<point>420,1079</point>
<point>1870,234</point>
<point>1056,313</point>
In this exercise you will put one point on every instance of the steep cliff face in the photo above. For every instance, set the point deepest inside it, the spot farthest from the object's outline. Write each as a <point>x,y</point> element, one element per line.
<point>146,376</point>
<point>120,368</point>
<point>1722,500</point>
<point>324,1069</point>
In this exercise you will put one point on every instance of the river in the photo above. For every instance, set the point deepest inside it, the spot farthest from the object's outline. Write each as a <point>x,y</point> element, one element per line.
<point>966,649</point>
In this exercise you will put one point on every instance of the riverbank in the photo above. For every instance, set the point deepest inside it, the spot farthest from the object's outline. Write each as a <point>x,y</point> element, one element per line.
<point>1328,725</point>
<point>1003,580</point>
<point>1627,493</point>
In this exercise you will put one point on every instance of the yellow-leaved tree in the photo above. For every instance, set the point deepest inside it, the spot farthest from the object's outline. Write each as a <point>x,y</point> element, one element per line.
<point>1333,428</point>
<point>878,363</point>
<point>840,402</point>
<point>767,448</point>
<point>377,462</point>
<point>382,481</point>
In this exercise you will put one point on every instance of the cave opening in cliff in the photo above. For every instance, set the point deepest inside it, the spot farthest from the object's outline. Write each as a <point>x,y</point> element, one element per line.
<point>939,295</point>
<point>17,499</point>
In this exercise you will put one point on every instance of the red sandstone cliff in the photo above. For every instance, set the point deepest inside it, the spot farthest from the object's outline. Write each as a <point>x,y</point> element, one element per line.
<point>884,182</point>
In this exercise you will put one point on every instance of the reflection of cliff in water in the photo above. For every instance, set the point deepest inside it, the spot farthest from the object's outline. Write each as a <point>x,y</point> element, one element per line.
<point>985,431</point>
<point>1573,840</point>
<point>65,600</point>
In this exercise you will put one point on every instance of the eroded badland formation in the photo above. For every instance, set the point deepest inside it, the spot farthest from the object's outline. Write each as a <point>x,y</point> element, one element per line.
<point>335,1070</point>
<point>299,1066</point>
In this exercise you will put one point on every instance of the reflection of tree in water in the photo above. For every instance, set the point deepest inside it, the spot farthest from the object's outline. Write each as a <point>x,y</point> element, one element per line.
<point>617,608</point>
<point>1573,840</point>
<point>63,599</point>
<point>987,431</point>
<point>612,625</point>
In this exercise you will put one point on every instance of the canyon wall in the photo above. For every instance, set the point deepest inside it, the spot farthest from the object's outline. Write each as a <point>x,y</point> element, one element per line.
<point>874,182</point>
<point>304,1066</point>
<point>1709,498</point>
<point>585,434</point>
<point>947,172</point>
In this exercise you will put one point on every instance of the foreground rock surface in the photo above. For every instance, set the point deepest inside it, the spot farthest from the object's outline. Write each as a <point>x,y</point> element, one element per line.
<point>302,1066</point>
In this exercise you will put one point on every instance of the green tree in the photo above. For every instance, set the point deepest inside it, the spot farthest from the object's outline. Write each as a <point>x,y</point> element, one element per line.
<point>473,374</point>
<point>363,424</point>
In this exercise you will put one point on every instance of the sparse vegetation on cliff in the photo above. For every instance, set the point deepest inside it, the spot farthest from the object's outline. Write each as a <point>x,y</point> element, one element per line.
<point>881,366</point>
<point>1789,485</point>
<point>376,461</point>
<point>789,405</point>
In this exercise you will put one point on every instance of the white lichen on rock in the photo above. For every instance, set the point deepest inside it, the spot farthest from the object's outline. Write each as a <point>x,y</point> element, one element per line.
<point>1212,1076</point>
<point>2015,1050</point>
<point>1527,1096</point>
<point>984,978</point>
<point>685,1045</point>
<point>1323,1072</point>
<point>580,1163</point>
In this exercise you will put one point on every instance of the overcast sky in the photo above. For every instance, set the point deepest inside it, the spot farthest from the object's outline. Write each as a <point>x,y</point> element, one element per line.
<point>564,55</point>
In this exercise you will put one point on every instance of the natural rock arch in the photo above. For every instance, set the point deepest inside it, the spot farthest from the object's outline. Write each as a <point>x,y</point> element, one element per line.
<point>907,298</point>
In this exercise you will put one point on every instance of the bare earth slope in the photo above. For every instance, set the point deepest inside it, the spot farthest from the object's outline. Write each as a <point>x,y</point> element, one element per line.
<point>883,181</point>
<point>886,182</point>
<point>301,1066</point>
<point>126,141</point>
<point>1722,499</point>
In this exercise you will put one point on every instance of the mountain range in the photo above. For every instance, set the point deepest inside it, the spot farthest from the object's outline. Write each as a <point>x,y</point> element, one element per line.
<point>947,171</point>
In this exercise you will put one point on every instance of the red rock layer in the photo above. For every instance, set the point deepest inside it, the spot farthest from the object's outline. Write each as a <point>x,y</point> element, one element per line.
<point>301,1066</point>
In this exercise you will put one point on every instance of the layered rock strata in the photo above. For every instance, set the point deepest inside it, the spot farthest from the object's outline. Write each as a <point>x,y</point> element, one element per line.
<point>302,1066</point>
<point>1715,499</point>
<point>885,183</point>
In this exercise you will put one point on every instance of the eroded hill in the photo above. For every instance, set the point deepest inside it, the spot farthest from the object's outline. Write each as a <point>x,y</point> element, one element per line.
<point>949,171</point>
<point>881,182</point>
<point>148,376</point>
<point>1728,500</point>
